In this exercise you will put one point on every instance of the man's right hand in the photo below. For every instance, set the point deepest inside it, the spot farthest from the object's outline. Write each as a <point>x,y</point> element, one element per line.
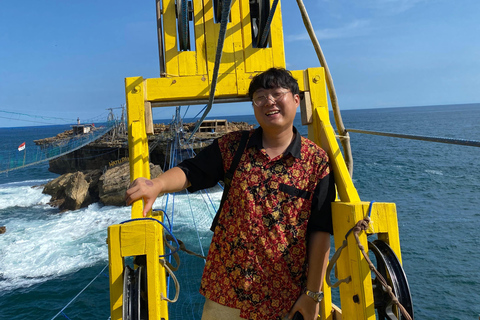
<point>142,188</point>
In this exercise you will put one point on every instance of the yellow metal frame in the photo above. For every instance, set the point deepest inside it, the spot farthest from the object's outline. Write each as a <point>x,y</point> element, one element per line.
<point>188,77</point>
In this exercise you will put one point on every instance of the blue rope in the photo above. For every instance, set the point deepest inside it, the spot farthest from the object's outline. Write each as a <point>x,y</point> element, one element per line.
<point>165,215</point>
<point>370,208</point>
<point>211,202</point>
<point>194,223</point>
<point>369,213</point>
<point>188,107</point>
<point>200,111</point>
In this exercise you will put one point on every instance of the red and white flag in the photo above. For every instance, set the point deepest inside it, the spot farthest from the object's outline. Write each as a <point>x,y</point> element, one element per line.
<point>21,147</point>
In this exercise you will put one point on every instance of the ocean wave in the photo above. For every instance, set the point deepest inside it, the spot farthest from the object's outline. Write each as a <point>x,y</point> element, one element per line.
<point>37,248</point>
<point>437,172</point>
<point>22,197</point>
<point>40,246</point>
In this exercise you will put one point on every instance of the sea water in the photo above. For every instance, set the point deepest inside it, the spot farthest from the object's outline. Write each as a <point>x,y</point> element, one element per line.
<point>47,258</point>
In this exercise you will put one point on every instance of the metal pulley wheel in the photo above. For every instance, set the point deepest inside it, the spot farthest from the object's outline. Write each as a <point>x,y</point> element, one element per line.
<point>259,11</point>
<point>217,10</point>
<point>390,268</point>
<point>184,15</point>
<point>134,294</point>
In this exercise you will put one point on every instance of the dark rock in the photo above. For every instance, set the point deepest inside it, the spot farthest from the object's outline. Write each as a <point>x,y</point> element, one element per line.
<point>3,229</point>
<point>92,177</point>
<point>56,187</point>
<point>76,192</point>
<point>73,191</point>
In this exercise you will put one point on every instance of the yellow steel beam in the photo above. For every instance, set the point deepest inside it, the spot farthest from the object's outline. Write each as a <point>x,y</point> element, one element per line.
<point>321,132</point>
<point>143,237</point>
<point>137,136</point>
<point>188,77</point>
<point>136,238</point>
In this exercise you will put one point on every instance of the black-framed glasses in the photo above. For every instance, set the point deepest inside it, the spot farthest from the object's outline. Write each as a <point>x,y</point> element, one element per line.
<point>260,101</point>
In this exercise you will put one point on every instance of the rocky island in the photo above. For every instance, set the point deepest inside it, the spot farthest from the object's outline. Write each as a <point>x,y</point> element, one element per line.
<point>100,172</point>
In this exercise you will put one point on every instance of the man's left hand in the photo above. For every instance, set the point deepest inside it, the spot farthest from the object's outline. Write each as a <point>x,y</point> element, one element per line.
<point>306,306</point>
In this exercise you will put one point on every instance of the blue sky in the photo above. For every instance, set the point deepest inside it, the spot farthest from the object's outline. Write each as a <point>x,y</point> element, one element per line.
<point>66,59</point>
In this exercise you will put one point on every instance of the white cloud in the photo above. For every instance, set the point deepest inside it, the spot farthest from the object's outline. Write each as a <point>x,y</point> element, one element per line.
<point>353,29</point>
<point>392,6</point>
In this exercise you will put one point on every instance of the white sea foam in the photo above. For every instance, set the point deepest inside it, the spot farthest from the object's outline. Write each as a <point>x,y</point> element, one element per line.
<point>36,249</point>
<point>437,172</point>
<point>41,244</point>
<point>21,196</point>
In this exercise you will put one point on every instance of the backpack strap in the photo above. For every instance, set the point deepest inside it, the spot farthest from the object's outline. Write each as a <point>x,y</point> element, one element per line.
<point>229,175</point>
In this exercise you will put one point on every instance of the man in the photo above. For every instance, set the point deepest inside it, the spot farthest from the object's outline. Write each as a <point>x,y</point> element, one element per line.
<point>270,248</point>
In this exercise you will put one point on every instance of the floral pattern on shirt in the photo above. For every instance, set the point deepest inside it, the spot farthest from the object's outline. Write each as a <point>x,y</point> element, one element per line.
<point>257,258</point>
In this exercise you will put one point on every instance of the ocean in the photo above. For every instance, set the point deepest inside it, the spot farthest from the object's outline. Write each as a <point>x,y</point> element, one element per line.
<point>47,258</point>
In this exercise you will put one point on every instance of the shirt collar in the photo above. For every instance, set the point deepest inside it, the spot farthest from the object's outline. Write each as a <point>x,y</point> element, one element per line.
<point>293,148</point>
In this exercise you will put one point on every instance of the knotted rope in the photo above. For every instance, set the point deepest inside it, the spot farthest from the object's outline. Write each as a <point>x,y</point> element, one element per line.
<point>363,225</point>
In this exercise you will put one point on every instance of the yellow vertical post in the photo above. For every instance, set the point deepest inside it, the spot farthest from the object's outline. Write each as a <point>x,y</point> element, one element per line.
<point>115,271</point>
<point>357,295</point>
<point>140,237</point>
<point>156,276</point>
<point>137,136</point>
<point>322,133</point>
<point>137,238</point>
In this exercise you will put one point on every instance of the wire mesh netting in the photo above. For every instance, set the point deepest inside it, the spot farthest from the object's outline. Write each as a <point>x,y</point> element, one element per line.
<point>40,153</point>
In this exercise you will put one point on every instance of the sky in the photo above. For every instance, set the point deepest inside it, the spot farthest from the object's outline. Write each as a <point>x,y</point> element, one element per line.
<point>60,60</point>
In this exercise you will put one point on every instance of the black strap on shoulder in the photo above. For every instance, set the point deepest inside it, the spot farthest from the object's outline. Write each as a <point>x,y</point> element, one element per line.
<point>229,175</point>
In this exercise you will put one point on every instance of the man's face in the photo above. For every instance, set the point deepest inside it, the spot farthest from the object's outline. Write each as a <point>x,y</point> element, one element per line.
<point>275,108</point>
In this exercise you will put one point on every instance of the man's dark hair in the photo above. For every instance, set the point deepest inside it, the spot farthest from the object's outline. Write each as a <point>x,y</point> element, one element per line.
<point>273,78</point>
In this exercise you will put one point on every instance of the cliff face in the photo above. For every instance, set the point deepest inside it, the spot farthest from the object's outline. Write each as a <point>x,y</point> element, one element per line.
<point>72,191</point>
<point>113,147</point>
<point>90,157</point>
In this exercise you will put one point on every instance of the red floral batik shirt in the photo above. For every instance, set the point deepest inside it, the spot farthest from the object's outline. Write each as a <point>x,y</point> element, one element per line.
<point>257,260</point>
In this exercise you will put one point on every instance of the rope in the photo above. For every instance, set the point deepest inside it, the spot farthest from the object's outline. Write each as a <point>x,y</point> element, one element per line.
<point>175,280</point>
<point>266,31</point>
<point>195,224</point>
<point>184,249</point>
<point>200,112</point>
<point>210,200</point>
<point>218,57</point>
<point>360,226</point>
<point>74,298</point>
<point>363,225</point>
<point>188,107</point>
<point>35,117</point>
<point>337,136</point>
<point>464,142</point>
<point>63,314</point>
